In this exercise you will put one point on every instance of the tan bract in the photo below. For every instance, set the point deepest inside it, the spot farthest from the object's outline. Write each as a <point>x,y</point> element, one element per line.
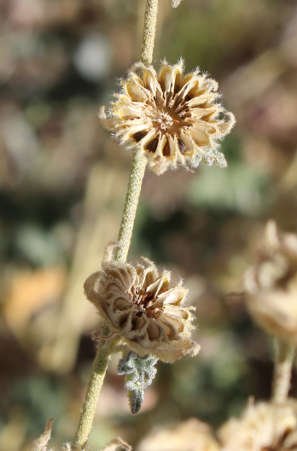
<point>174,118</point>
<point>262,427</point>
<point>141,307</point>
<point>271,285</point>
<point>191,435</point>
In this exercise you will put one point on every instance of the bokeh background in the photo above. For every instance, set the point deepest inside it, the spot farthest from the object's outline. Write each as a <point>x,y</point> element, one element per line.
<point>62,186</point>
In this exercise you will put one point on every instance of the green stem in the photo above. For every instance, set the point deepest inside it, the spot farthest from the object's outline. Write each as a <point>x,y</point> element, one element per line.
<point>125,234</point>
<point>284,357</point>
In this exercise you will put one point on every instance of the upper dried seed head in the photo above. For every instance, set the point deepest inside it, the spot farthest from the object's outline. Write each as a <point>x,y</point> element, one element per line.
<point>262,427</point>
<point>140,305</point>
<point>174,118</point>
<point>271,284</point>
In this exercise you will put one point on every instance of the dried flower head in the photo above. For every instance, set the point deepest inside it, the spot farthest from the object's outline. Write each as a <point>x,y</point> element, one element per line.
<point>262,427</point>
<point>139,305</point>
<point>271,285</point>
<point>191,435</point>
<point>174,118</point>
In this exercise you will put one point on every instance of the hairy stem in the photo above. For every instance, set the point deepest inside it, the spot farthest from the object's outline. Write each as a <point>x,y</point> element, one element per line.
<point>139,160</point>
<point>93,391</point>
<point>125,234</point>
<point>149,31</point>
<point>130,207</point>
<point>284,357</point>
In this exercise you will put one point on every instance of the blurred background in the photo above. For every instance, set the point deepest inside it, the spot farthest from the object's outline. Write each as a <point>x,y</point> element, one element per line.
<point>62,186</point>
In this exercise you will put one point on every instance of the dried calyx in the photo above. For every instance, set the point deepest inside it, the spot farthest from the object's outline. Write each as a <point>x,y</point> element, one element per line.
<point>174,118</point>
<point>144,309</point>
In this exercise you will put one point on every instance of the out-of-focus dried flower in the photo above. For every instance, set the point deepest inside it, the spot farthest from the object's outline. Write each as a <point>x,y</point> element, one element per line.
<point>192,435</point>
<point>174,118</point>
<point>271,285</point>
<point>143,309</point>
<point>262,427</point>
<point>117,445</point>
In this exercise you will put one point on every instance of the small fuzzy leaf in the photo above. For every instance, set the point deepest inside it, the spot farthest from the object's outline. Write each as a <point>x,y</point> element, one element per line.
<point>139,373</point>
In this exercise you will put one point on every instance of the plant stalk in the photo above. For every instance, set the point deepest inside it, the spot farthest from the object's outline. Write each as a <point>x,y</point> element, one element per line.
<point>139,160</point>
<point>90,402</point>
<point>130,207</point>
<point>284,357</point>
<point>149,31</point>
<point>125,234</point>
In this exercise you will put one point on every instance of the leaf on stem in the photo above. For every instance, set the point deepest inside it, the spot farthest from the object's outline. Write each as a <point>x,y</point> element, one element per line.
<point>139,373</point>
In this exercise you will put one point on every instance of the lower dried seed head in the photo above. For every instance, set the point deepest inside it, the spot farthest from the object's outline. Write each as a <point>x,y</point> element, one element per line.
<point>140,305</point>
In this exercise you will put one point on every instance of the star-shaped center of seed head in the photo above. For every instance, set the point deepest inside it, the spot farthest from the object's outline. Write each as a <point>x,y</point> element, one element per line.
<point>167,117</point>
<point>164,120</point>
<point>146,304</point>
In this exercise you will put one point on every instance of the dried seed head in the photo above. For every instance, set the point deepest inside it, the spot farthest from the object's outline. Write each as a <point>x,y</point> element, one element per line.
<point>174,118</point>
<point>191,435</point>
<point>140,305</point>
<point>262,427</point>
<point>271,285</point>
